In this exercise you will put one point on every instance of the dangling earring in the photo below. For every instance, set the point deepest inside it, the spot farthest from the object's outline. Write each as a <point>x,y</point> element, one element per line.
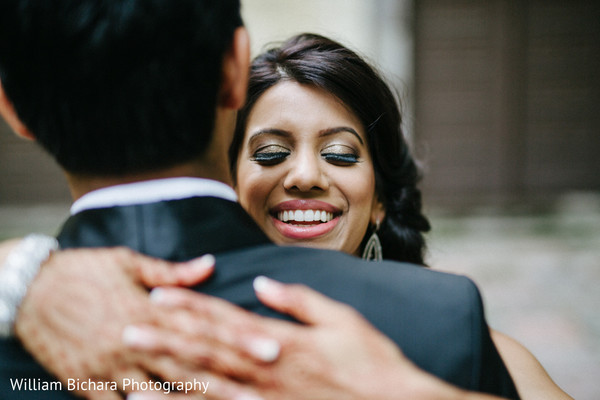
<point>372,249</point>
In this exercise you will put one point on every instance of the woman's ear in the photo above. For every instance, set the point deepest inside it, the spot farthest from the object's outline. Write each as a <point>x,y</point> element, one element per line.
<point>377,212</point>
<point>7,110</point>
<point>236,67</point>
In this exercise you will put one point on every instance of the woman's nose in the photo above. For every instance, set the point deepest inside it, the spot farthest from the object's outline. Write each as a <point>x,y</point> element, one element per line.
<point>306,174</point>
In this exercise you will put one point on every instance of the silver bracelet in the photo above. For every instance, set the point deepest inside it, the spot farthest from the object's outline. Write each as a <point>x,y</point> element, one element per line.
<point>20,268</point>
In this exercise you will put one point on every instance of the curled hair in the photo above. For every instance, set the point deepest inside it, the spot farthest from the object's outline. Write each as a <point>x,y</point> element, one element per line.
<point>317,61</point>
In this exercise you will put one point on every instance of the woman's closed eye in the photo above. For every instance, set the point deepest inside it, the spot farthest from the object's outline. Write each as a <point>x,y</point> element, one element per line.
<point>340,155</point>
<point>270,155</point>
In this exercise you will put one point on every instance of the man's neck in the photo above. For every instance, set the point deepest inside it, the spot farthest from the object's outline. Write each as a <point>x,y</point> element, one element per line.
<point>82,184</point>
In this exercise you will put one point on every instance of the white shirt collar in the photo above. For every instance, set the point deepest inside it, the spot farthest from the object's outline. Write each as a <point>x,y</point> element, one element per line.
<point>151,192</point>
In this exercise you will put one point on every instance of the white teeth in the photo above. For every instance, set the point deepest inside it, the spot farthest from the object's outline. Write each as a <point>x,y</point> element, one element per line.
<point>304,215</point>
<point>308,215</point>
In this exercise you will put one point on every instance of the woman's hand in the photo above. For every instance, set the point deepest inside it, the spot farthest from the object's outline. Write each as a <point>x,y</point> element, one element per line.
<point>73,317</point>
<point>342,356</point>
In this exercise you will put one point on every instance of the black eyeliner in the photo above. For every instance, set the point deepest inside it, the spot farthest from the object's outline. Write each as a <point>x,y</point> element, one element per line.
<point>270,157</point>
<point>343,158</point>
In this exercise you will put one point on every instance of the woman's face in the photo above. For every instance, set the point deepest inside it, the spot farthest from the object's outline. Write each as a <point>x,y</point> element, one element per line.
<point>305,172</point>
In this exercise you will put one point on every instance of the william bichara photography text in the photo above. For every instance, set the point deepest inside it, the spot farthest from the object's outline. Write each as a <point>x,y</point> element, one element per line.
<point>126,385</point>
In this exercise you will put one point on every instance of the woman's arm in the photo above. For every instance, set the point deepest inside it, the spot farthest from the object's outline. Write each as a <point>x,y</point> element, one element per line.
<point>73,316</point>
<point>530,377</point>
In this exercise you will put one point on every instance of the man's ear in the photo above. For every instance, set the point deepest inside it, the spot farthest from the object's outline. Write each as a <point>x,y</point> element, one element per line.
<point>7,110</point>
<point>236,64</point>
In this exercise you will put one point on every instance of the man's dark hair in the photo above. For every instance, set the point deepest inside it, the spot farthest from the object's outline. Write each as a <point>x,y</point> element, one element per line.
<point>111,87</point>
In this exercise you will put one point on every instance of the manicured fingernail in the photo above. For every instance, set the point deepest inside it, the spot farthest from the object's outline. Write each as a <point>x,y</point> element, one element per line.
<point>266,350</point>
<point>137,396</point>
<point>142,396</point>
<point>159,296</point>
<point>246,396</point>
<point>136,337</point>
<point>156,295</point>
<point>262,284</point>
<point>204,262</point>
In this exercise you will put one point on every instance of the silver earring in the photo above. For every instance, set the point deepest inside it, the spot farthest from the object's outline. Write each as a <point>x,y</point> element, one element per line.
<point>372,251</point>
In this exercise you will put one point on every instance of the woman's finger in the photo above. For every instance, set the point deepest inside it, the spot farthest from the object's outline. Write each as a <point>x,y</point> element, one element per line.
<point>154,272</point>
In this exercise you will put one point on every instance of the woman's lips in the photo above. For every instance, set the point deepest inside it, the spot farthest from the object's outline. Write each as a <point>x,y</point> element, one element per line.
<point>306,230</point>
<point>304,219</point>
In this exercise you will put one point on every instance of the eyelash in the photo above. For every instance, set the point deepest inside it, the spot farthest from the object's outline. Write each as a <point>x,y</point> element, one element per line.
<point>337,158</point>
<point>270,158</point>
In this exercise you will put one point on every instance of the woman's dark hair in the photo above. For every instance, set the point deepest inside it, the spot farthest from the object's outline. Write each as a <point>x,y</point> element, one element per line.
<point>317,61</point>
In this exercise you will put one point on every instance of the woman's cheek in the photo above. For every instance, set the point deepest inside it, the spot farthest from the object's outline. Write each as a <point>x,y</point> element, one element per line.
<point>253,192</point>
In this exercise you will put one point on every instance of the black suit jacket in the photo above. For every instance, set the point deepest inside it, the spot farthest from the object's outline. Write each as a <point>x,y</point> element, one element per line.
<point>436,318</point>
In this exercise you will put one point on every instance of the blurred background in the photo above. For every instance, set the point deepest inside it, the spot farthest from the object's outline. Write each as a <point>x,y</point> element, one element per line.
<point>501,100</point>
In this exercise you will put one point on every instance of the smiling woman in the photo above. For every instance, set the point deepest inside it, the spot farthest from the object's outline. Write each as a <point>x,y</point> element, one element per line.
<point>305,173</point>
<point>318,156</point>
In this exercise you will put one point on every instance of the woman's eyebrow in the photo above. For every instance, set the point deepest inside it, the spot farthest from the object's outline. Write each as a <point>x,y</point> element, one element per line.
<point>268,131</point>
<point>338,129</point>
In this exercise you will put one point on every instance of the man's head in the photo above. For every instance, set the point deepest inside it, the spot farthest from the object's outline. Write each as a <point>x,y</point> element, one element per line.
<point>118,87</point>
